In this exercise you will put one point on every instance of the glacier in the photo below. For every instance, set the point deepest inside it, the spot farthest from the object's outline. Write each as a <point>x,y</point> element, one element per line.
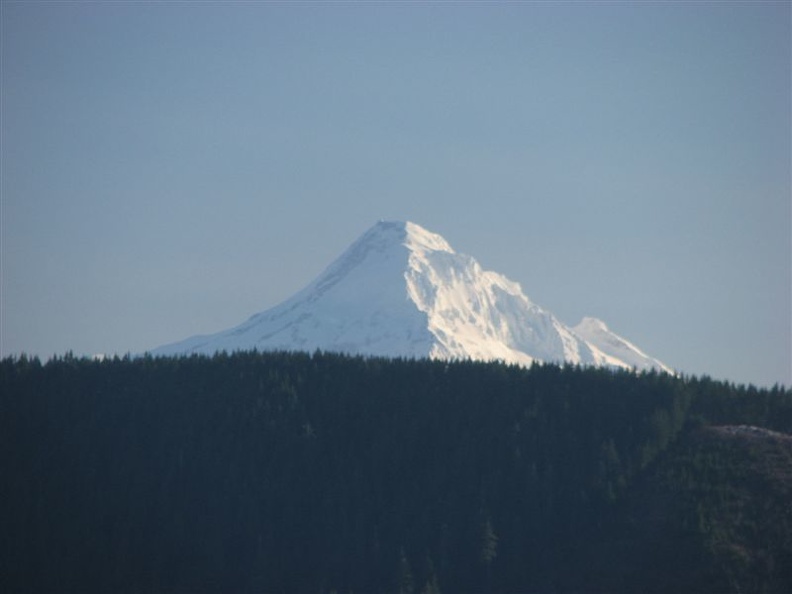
<point>402,291</point>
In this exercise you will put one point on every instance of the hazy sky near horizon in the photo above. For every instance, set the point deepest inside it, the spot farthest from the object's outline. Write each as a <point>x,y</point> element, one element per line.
<point>169,169</point>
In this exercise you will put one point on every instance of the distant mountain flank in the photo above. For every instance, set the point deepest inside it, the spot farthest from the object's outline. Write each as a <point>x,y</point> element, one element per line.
<point>402,291</point>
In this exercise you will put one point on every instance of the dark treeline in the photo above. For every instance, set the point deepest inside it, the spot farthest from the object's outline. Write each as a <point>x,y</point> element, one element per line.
<point>319,473</point>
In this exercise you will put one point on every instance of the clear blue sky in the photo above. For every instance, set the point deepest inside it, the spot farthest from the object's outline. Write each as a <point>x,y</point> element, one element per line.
<point>172,168</point>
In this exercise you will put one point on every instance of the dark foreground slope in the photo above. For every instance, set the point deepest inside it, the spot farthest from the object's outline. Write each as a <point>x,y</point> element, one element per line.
<point>713,515</point>
<point>298,473</point>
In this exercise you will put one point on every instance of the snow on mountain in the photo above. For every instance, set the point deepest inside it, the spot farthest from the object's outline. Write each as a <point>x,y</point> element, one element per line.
<point>402,291</point>
<point>597,334</point>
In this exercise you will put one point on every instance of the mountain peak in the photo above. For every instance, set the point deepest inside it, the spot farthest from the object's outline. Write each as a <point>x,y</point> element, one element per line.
<point>406,233</point>
<point>402,291</point>
<point>592,325</point>
<point>596,333</point>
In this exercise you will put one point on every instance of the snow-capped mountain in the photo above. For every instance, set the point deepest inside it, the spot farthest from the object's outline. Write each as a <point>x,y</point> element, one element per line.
<point>402,291</point>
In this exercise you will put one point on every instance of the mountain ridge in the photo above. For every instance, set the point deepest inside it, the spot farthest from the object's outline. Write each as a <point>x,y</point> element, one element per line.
<point>401,290</point>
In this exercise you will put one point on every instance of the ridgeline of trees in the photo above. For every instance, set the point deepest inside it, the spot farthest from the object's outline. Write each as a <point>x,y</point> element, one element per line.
<point>323,473</point>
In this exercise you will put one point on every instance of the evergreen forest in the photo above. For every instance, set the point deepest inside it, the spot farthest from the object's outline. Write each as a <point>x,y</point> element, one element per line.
<point>322,473</point>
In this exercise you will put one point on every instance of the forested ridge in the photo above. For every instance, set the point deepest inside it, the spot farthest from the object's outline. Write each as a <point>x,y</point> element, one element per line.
<point>287,472</point>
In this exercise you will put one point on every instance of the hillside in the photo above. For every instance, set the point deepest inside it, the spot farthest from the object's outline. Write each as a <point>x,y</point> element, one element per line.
<point>319,473</point>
